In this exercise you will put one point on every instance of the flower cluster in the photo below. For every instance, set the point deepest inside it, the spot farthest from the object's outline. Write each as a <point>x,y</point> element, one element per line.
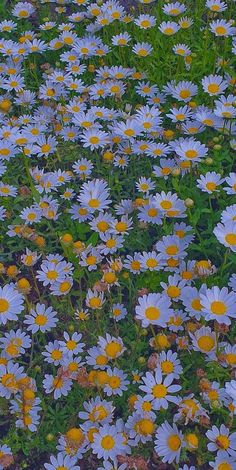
<point>118,235</point>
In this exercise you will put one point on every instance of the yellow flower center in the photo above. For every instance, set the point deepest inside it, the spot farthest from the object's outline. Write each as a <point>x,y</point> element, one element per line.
<point>172,250</point>
<point>173,291</point>
<point>230,238</point>
<point>52,275</point>
<point>152,313</point>
<point>218,307</point>
<point>95,302</point>
<point>223,441</point>
<point>45,148</point>
<point>152,263</point>
<point>211,186</point>
<point>101,360</point>
<point>94,203</point>
<point>191,154</point>
<point>107,442</point>
<point>206,343</point>
<point>113,349</point>
<point>121,227</point>
<point>152,212</point>
<point>213,88</point>
<point>167,367</point>
<point>221,30</point>
<point>159,391</point>
<point>184,94</point>
<point>41,320</point>
<point>145,427</point>
<point>114,382</point>
<point>4,305</point>
<point>166,204</point>
<point>224,466</point>
<point>142,52</point>
<point>94,140</point>
<point>71,345</point>
<point>174,442</point>
<point>91,260</point>
<point>56,354</point>
<point>109,278</point>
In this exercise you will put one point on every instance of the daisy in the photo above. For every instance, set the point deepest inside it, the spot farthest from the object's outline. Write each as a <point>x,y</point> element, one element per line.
<point>160,390</point>
<point>151,261</point>
<point>190,409</point>
<point>150,214</point>
<point>221,439</point>
<point>222,28</point>
<point>59,385</point>
<point>190,297</point>
<point>145,21</point>
<point>90,258</point>
<point>11,303</point>
<point>129,129</point>
<point>94,138</point>
<point>169,204</point>
<point>217,6</point>
<point>118,312</point>
<point>122,226</point>
<point>232,282</point>
<point>51,272</point>
<point>10,375</point>
<point>31,215</point>
<point>142,49</point>
<point>171,245</point>
<point>97,411</point>
<point>214,85</point>
<point>153,309</point>
<point>173,287</point>
<point>116,382</point>
<point>158,150</point>
<point>71,345</point>
<point>182,50</point>
<point>140,427</point>
<point>219,304</point>
<point>189,149</point>
<point>112,347</point>
<point>223,460</point>
<point>2,213</point>
<point>53,353</point>
<point>214,395</point>
<point>204,340</point>
<point>169,442</point>
<point>231,181</point>
<point>14,343</point>
<point>174,9</point>
<point>168,28</point>
<point>176,322</point>
<point>62,461</point>
<point>41,318</point>
<point>94,195</point>
<point>121,39</point>
<point>94,299</point>
<point>210,182</point>
<point>7,190</point>
<point>180,114</point>
<point>107,442</point>
<point>23,10</point>
<point>133,264</point>
<point>169,363</point>
<point>182,91</point>
<point>30,258</point>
